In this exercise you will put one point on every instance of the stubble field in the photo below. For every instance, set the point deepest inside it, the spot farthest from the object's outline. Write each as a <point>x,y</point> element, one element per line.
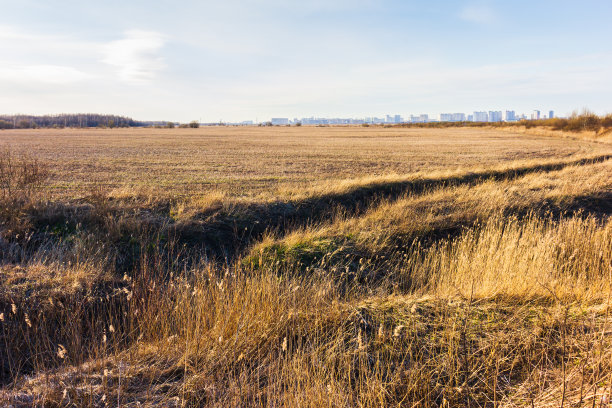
<point>247,161</point>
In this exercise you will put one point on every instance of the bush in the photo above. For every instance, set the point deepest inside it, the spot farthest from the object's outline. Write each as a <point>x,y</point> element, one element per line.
<point>585,121</point>
<point>194,124</point>
<point>20,174</point>
<point>606,121</point>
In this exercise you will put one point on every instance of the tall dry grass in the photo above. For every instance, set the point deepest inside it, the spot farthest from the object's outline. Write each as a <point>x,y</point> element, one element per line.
<point>441,212</point>
<point>522,259</point>
<point>503,314</point>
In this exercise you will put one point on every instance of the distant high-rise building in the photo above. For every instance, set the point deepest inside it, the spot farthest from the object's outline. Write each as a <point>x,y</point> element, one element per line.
<point>470,118</point>
<point>551,114</point>
<point>419,119</point>
<point>280,121</point>
<point>495,116</point>
<point>481,117</point>
<point>398,119</point>
<point>452,117</point>
<point>510,116</point>
<point>535,115</point>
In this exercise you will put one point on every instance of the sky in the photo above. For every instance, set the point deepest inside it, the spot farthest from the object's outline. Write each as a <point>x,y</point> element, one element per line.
<point>233,60</point>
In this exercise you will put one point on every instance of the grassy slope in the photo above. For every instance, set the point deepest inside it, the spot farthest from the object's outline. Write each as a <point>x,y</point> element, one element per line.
<point>443,211</point>
<point>253,339</point>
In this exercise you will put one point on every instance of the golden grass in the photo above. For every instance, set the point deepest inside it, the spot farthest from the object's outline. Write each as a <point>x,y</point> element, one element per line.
<point>484,285</point>
<point>251,338</point>
<point>443,210</point>
<point>521,260</point>
<point>46,281</point>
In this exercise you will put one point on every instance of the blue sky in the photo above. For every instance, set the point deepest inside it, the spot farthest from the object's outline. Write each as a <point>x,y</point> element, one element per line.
<point>238,60</point>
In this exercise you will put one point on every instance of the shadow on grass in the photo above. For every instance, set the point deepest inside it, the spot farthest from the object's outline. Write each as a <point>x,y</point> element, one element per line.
<point>226,233</point>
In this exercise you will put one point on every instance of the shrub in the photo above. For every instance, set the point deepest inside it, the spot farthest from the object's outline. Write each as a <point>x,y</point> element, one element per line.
<point>578,123</point>
<point>194,124</point>
<point>606,121</point>
<point>20,174</point>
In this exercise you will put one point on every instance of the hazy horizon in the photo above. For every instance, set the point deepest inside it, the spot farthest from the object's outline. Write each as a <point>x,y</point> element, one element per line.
<point>260,59</point>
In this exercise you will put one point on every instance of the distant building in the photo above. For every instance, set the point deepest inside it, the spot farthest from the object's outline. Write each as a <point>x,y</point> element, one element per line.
<point>470,118</point>
<point>551,114</point>
<point>419,119</point>
<point>458,117</point>
<point>535,115</point>
<point>481,117</point>
<point>495,116</point>
<point>510,116</point>
<point>280,121</point>
<point>398,119</point>
<point>452,117</point>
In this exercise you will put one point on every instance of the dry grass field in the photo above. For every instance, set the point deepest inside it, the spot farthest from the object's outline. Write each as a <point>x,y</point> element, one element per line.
<point>248,161</point>
<point>305,267</point>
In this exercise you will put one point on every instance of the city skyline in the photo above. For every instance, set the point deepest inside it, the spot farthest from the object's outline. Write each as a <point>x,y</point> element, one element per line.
<point>477,116</point>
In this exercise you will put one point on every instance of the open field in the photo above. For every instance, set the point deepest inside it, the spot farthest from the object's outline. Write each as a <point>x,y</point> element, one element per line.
<point>305,267</point>
<point>241,161</point>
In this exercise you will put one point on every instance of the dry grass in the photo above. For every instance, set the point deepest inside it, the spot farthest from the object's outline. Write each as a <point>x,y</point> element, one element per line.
<point>488,284</point>
<point>252,338</point>
<point>441,212</point>
<point>252,161</point>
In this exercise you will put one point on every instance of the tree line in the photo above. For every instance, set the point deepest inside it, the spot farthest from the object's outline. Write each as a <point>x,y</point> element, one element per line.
<point>79,120</point>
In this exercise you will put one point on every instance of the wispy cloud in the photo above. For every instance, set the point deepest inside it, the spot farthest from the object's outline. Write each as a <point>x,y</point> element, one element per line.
<point>136,57</point>
<point>480,13</point>
<point>45,74</point>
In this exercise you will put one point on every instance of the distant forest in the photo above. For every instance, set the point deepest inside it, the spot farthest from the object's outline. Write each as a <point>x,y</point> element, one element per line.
<point>81,120</point>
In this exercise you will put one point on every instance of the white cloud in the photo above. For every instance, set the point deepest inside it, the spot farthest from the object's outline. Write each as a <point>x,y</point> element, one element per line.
<point>479,13</point>
<point>136,56</point>
<point>46,74</point>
